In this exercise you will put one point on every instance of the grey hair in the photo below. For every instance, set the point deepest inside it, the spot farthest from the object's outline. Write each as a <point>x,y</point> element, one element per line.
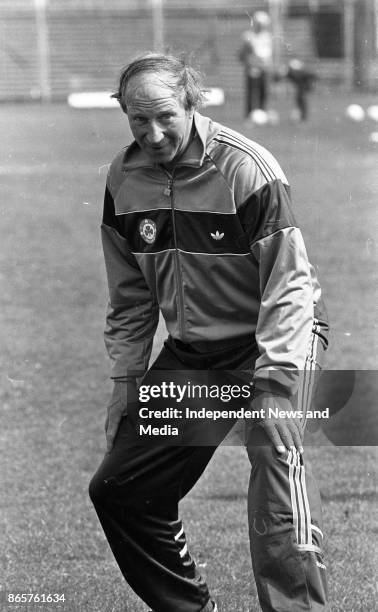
<point>187,80</point>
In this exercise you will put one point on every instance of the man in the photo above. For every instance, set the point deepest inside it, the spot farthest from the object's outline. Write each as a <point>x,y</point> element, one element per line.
<point>198,225</point>
<point>256,54</point>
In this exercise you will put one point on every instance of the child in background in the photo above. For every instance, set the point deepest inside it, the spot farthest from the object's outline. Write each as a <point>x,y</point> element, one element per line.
<point>303,81</point>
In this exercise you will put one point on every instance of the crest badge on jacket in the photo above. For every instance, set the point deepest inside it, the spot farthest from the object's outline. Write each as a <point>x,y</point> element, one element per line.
<point>147,229</point>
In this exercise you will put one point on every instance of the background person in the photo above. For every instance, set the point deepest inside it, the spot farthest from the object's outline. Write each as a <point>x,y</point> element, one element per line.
<point>198,224</point>
<point>256,55</point>
<point>302,79</point>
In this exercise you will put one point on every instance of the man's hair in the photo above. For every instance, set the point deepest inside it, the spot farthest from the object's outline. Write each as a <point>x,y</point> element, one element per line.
<point>187,82</point>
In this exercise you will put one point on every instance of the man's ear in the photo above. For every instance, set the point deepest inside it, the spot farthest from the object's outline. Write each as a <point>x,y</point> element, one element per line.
<point>122,104</point>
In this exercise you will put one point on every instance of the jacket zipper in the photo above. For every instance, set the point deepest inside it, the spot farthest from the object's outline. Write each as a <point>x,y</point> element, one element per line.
<point>177,268</point>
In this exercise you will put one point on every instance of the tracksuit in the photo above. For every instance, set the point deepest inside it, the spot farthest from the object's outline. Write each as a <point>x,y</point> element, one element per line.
<point>215,248</point>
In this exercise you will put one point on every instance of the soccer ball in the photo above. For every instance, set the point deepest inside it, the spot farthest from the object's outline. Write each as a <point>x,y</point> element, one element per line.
<point>372,112</point>
<point>259,117</point>
<point>355,112</point>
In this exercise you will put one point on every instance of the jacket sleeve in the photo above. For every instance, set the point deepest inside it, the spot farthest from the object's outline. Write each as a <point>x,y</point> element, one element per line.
<point>132,314</point>
<point>286,311</point>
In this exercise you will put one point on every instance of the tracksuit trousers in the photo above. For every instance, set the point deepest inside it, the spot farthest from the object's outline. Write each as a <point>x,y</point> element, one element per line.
<point>256,92</point>
<point>137,489</point>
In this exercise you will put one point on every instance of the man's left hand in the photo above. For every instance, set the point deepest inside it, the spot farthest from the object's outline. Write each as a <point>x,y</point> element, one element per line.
<point>284,433</point>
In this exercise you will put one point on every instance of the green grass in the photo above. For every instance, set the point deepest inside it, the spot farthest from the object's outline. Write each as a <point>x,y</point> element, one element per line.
<point>54,371</point>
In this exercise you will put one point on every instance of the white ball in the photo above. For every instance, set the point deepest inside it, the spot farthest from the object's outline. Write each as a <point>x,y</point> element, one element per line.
<point>372,112</point>
<point>355,112</point>
<point>259,116</point>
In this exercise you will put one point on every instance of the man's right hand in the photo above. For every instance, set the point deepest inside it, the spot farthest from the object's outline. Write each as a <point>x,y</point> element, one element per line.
<point>117,409</point>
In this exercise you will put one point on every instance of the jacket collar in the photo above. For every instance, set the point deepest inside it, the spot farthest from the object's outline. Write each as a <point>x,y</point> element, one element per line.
<point>193,155</point>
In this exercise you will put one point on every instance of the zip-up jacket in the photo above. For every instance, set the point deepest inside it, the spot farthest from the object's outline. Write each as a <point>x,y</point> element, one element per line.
<point>215,247</point>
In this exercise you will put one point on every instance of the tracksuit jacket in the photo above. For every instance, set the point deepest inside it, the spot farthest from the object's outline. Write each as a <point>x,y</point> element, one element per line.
<point>214,245</point>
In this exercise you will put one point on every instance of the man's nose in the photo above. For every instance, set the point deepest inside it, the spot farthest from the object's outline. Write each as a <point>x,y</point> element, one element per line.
<point>155,134</point>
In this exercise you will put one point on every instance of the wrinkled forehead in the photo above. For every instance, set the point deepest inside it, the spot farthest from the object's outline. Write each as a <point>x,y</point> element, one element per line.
<point>151,87</point>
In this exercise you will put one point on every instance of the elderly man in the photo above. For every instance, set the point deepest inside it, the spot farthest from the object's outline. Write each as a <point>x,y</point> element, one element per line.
<point>198,226</point>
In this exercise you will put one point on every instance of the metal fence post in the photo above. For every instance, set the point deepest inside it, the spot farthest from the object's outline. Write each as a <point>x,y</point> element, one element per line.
<point>349,41</point>
<point>43,46</point>
<point>276,14</point>
<point>158,25</point>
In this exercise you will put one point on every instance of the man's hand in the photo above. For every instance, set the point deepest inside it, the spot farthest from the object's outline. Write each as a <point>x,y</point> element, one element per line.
<point>117,408</point>
<point>284,433</point>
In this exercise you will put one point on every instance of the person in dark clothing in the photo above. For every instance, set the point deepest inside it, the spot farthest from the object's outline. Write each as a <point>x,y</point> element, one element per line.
<point>303,81</point>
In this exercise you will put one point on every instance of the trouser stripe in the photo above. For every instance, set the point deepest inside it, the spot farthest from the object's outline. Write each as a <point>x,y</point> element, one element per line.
<point>301,504</point>
<point>183,551</point>
<point>297,474</point>
<point>311,548</point>
<point>315,528</point>
<point>299,499</point>
<point>293,494</point>
<point>179,534</point>
<point>308,534</point>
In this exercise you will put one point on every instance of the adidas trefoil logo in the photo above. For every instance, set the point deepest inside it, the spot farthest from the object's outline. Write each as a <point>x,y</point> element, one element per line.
<point>217,235</point>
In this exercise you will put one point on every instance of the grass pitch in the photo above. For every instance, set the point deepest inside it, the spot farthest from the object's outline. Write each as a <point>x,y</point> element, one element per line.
<point>54,374</point>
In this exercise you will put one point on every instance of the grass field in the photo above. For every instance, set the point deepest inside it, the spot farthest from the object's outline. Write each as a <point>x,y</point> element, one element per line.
<point>54,371</point>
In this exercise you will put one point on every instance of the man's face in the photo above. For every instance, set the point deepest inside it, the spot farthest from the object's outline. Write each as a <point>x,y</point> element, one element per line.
<point>158,120</point>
